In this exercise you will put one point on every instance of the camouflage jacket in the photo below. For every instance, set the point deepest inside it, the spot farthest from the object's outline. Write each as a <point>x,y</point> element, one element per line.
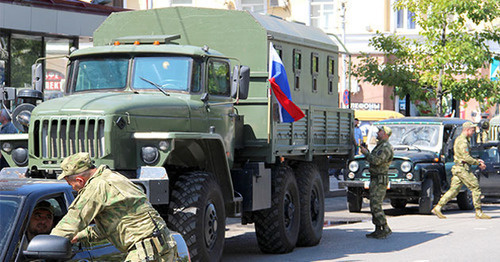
<point>380,158</point>
<point>120,210</point>
<point>462,151</point>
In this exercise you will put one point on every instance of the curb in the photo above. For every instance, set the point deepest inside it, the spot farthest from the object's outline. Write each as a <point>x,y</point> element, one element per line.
<point>336,193</point>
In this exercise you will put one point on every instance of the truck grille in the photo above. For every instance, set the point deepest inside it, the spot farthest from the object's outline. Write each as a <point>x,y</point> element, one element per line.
<point>56,138</point>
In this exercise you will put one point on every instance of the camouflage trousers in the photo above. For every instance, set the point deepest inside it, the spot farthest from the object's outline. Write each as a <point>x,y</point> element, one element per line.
<point>462,176</point>
<point>378,188</point>
<point>150,249</point>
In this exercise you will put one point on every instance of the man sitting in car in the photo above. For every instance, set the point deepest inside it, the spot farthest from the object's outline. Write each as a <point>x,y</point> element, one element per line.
<point>41,221</point>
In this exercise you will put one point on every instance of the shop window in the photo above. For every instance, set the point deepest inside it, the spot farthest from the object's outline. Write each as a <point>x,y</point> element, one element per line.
<point>297,66</point>
<point>25,50</point>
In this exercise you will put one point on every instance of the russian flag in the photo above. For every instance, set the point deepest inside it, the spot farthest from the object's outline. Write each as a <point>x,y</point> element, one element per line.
<point>289,112</point>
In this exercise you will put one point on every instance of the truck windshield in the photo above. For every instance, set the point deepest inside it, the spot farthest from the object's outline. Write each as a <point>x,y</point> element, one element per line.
<point>170,73</point>
<point>96,74</point>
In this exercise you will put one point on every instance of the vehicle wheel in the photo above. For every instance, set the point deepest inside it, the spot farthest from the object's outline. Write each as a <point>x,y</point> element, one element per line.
<point>277,228</point>
<point>354,199</point>
<point>426,200</point>
<point>398,203</point>
<point>196,210</point>
<point>312,204</point>
<point>464,200</point>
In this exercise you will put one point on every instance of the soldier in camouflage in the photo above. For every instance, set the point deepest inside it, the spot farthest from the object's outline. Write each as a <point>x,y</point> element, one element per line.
<point>461,173</point>
<point>380,159</point>
<point>120,210</point>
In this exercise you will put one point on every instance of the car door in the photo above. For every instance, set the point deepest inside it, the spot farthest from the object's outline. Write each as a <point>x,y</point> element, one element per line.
<point>489,179</point>
<point>59,202</point>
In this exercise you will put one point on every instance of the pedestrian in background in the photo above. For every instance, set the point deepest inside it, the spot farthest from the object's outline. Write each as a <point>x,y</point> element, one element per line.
<point>120,210</point>
<point>462,174</point>
<point>380,159</point>
<point>358,135</point>
<point>6,128</point>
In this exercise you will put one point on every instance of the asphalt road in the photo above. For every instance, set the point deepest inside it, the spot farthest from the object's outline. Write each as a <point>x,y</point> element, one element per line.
<point>415,237</point>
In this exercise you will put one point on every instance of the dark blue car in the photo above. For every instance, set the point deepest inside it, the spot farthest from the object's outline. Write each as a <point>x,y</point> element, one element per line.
<point>18,198</point>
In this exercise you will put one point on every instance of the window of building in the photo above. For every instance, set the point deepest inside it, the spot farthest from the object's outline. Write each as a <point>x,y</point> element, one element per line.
<point>257,6</point>
<point>405,19</point>
<point>297,66</point>
<point>322,14</point>
<point>314,71</point>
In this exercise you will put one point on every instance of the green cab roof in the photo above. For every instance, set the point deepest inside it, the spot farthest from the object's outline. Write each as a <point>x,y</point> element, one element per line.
<point>145,49</point>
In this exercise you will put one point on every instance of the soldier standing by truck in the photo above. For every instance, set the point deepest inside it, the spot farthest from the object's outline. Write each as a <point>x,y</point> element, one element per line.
<point>380,159</point>
<point>120,210</point>
<point>461,173</point>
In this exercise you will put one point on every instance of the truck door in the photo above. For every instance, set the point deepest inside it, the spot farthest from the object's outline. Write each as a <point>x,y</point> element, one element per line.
<point>219,102</point>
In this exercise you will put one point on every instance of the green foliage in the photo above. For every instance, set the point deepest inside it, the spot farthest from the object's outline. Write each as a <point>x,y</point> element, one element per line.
<point>446,59</point>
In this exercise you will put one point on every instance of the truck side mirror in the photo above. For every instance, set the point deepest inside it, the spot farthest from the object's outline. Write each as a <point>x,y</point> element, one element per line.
<point>241,79</point>
<point>37,76</point>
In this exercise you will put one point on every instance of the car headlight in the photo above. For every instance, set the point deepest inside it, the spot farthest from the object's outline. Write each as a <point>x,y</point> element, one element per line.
<point>406,166</point>
<point>149,154</point>
<point>7,147</point>
<point>20,156</point>
<point>354,166</point>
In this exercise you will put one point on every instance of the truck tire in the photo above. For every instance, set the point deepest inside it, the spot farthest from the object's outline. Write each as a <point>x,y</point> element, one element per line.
<point>312,204</point>
<point>425,203</point>
<point>464,200</point>
<point>196,210</point>
<point>354,199</point>
<point>277,228</point>
<point>398,203</point>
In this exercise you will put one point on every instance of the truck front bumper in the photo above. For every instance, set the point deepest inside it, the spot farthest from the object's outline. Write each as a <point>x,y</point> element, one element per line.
<point>412,185</point>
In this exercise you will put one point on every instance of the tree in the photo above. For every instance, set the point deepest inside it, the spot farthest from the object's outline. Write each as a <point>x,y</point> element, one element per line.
<point>446,59</point>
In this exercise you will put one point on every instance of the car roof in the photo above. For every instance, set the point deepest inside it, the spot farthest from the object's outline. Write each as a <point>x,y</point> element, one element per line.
<point>26,186</point>
<point>422,120</point>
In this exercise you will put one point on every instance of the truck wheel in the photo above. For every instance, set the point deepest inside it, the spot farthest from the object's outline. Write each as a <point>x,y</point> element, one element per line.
<point>312,204</point>
<point>196,210</point>
<point>426,200</point>
<point>354,199</point>
<point>277,228</point>
<point>464,200</point>
<point>398,203</point>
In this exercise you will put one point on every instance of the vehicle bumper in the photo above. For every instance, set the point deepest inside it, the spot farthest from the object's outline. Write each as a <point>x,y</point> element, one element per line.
<point>414,185</point>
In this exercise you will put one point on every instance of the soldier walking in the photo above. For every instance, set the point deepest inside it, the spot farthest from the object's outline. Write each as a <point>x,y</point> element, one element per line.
<point>461,173</point>
<point>120,210</point>
<point>380,159</point>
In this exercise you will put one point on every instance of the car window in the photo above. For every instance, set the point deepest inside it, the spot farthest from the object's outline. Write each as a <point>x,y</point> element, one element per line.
<point>9,208</point>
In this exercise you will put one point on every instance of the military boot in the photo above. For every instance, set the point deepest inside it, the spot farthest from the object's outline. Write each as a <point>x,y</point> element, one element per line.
<point>481,215</point>
<point>386,231</point>
<point>437,211</point>
<point>378,230</point>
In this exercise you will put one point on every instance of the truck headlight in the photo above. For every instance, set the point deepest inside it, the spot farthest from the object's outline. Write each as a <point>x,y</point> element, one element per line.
<point>20,156</point>
<point>406,166</point>
<point>354,166</point>
<point>7,147</point>
<point>149,154</point>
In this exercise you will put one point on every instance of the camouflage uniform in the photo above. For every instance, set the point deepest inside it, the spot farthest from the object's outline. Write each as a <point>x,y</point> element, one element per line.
<point>462,174</point>
<point>121,212</point>
<point>380,159</point>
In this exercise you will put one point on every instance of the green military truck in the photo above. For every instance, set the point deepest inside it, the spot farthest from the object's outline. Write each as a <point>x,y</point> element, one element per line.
<point>196,129</point>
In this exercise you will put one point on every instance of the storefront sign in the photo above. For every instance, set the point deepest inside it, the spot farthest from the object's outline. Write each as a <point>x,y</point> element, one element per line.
<point>53,80</point>
<point>366,106</point>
